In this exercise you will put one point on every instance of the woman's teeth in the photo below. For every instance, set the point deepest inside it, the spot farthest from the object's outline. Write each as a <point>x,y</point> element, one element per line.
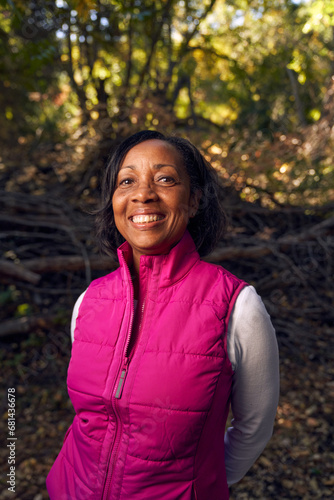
<point>139,219</point>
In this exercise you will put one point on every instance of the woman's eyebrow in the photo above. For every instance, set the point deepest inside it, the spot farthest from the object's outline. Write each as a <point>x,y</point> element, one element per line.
<point>127,166</point>
<point>161,165</point>
<point>156,167</point>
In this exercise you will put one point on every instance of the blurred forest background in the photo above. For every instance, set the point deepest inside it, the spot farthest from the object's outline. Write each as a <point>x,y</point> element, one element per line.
<point>251,83</point>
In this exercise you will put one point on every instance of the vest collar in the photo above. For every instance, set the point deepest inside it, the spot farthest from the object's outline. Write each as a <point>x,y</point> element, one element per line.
<point>170,267</point>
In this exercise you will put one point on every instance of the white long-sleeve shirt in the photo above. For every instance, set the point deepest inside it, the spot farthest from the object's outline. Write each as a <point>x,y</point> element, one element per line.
<point>253,352</point>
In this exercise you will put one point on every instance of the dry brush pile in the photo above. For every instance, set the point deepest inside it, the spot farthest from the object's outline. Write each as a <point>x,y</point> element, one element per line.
<point>48,252</point>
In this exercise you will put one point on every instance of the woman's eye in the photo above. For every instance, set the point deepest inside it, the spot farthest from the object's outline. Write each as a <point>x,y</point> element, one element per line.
<point>166,179</point>
<point>125,182</point>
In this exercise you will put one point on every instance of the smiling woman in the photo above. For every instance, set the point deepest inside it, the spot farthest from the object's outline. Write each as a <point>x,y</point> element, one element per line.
<point>165,343</point>
<point>206,225</point>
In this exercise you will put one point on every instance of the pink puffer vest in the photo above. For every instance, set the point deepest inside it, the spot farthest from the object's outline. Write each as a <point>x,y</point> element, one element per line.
<point>150,421</point>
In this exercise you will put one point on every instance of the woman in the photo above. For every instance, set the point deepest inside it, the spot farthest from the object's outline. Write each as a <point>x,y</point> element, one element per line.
<point>164,343</point>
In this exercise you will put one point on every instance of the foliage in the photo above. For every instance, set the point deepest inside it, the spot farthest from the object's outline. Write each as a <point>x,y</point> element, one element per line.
<point>260,64</point>
<point>229,69</point>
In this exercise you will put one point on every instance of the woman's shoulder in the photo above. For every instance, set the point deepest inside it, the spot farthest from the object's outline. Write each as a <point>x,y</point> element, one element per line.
<point>106,278</point>
<point>215,286</point>
<point>219,274</point>
<point>111,280</point>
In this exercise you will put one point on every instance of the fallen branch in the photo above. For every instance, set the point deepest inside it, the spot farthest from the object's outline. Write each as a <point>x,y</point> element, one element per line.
<point>25,325</point>
<point>68,263</point>
<point>281,244</point>
<point>309,233</point>
<point>60,223</point>
<point>18,272</point>
<point>238,252</point>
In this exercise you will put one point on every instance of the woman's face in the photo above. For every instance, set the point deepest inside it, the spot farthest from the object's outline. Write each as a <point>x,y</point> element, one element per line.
<point>152,201</point>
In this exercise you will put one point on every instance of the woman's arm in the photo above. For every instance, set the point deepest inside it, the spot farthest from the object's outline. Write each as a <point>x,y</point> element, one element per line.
<point>253,352</point>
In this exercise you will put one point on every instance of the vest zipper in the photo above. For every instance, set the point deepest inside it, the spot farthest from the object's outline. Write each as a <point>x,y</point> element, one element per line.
<point>118,393</point>
<point>124,369</point>
<point>121,380</point>
<point>119,390</point>
<point>120,385</point>
<point>127,358</point>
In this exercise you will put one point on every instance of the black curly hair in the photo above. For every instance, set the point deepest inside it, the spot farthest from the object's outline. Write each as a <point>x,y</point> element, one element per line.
<point>209,223</point>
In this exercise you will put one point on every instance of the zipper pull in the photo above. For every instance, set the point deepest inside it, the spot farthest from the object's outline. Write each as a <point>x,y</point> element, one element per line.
<point>122,379</point>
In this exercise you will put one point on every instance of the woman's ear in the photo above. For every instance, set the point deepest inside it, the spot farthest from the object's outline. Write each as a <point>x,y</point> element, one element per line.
<point>195,198</point>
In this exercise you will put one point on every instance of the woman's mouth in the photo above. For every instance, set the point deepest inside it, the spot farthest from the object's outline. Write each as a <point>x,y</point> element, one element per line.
<point>144,219</point>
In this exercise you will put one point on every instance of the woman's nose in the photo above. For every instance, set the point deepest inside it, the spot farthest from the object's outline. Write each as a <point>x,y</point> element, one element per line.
<point>144,193</point>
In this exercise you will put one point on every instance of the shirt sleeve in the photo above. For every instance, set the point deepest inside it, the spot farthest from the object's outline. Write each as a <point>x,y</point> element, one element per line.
<point>253,352</point>
<point>75,314</point>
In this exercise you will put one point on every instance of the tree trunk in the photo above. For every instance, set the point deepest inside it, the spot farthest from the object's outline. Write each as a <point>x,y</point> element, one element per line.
<point>298,102</point>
